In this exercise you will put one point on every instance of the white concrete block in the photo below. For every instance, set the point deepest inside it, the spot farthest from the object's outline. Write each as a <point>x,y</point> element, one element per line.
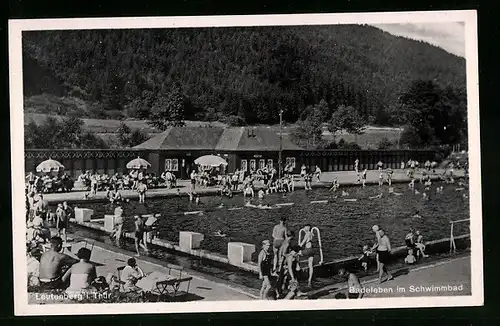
<point>109,222</point>
<point>239,252</point>
<point>190,240</point>
<point>83,214</point>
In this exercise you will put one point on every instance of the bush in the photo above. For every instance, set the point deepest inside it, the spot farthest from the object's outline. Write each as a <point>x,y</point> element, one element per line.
<point>342,144</point>
<point>385,143</point>
<point>234,121</point>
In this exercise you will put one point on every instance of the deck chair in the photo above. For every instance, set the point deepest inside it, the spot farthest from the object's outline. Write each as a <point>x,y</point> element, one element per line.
<point>121,283</point>
<point>169,286</point>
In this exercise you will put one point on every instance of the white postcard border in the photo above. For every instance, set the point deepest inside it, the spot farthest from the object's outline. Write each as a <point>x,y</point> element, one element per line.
<point>17,151</point>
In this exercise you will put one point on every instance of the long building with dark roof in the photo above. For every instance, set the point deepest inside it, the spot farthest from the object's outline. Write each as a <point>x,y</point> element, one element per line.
<point>242,147</point>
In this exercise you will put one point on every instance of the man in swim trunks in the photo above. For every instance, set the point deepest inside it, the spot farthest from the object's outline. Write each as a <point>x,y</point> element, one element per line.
<point>53,265</point>
<point>61,221</point>
<point>265,265</point>
<point>279,232</point>
<point>353,285</point>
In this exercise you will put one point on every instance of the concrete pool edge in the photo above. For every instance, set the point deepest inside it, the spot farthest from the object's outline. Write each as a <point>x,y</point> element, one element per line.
<point>252,267</point>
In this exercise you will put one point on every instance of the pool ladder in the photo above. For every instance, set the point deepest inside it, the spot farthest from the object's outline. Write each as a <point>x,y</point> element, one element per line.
<point>303,231</point>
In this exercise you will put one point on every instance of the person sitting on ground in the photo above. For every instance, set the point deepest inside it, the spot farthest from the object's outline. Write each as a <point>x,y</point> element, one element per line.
<point>410,239</point>
<point>420,244</point>
<point>34,266</point>
<point>130,275</point>
<point>353,285</point>
<point>53,265</point>
<point>80,275</point>
<point>365,257</point>
<point>410,258</point>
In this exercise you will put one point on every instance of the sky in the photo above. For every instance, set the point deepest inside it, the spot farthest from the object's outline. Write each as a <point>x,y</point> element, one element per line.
<point>449,36</point>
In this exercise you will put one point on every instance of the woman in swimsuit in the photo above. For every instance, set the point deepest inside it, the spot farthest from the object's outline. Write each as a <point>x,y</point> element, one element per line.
<point>308,250</point>
<point>139,236</point>
<point>265,263</point>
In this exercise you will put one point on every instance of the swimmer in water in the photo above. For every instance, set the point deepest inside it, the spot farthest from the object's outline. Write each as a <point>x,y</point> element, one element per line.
<point>391,190</point>
<point>424,196</point>
<point>345,193</point>
<point>376,197</point>
<point>279,232</point>
<point>417,215</point>
<point>197,200</point>
<point>260,194</point>
<point>191,197</point>
<point>417,192</point>
<point>219,233</point>
<point>411,185</point>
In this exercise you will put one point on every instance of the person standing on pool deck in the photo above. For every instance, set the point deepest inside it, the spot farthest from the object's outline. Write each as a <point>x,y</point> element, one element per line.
<point>376,230</point>
<point>364,177</point>
<point>383,252</point>
<point>141,190</point>
<point>139,235</point>
<point>192,177</point>
<point>117,232</point>
<point>265,266</point>
<point>279,232</point>
<point>356,165</point>
<point>61,222</point>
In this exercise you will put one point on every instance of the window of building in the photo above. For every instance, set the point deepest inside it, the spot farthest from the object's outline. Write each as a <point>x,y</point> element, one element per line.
<point>168,164</point>
<point>175,164</point>
<point>262,163</point>
<point>244,165</point>
<point>253,165</point>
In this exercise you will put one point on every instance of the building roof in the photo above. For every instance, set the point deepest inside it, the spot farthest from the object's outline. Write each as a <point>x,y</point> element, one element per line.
<point>216,138</point>
<point>187,138</point>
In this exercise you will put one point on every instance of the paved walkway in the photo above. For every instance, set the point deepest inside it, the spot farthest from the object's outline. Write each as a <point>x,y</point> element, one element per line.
<point>183,186</point>
<point>450,277</point>
<point>107,259</point>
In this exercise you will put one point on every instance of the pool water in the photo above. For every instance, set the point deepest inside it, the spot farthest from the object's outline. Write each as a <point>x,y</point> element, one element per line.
<point>345,226</point>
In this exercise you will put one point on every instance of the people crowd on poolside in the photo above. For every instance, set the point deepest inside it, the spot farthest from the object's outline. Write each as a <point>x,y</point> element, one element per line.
<point>279,267</point>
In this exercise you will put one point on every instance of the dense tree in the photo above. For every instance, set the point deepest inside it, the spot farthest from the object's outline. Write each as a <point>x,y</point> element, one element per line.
<point>433,115</point>
<point>308,131</point>
<point>169,111</point>
<point>248,72</point>
<point>346,118</point>
<point>130,138</point>
<point>59,134</point>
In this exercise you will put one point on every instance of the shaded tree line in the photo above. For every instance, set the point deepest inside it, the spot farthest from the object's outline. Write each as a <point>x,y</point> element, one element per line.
<point>240,75</point>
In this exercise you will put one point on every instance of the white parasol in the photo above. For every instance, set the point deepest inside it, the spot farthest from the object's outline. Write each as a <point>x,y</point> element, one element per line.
<point>49,165</point>
<point>210,160</point>
<point>138,164</point>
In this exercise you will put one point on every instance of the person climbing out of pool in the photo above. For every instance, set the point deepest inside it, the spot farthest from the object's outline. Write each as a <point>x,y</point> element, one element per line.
<point>308,250</point>
<point>335,184</point>
<point>279,232</point>
<point>384,251</point>
<point>354,290</point>
<point>141,190</point>
<point>139,235</point>
<point>363,177</point>
<point>419,243</point>
<point>265,265</point>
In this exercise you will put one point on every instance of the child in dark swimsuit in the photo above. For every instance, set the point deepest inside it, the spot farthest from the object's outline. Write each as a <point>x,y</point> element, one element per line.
<point>308,250</point>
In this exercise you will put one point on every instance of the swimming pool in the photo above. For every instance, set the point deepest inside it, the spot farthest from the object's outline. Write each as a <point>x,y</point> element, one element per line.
<point>345,225</point>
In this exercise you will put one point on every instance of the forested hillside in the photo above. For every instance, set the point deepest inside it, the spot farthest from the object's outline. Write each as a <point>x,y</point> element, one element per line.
<point>222,72</point>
